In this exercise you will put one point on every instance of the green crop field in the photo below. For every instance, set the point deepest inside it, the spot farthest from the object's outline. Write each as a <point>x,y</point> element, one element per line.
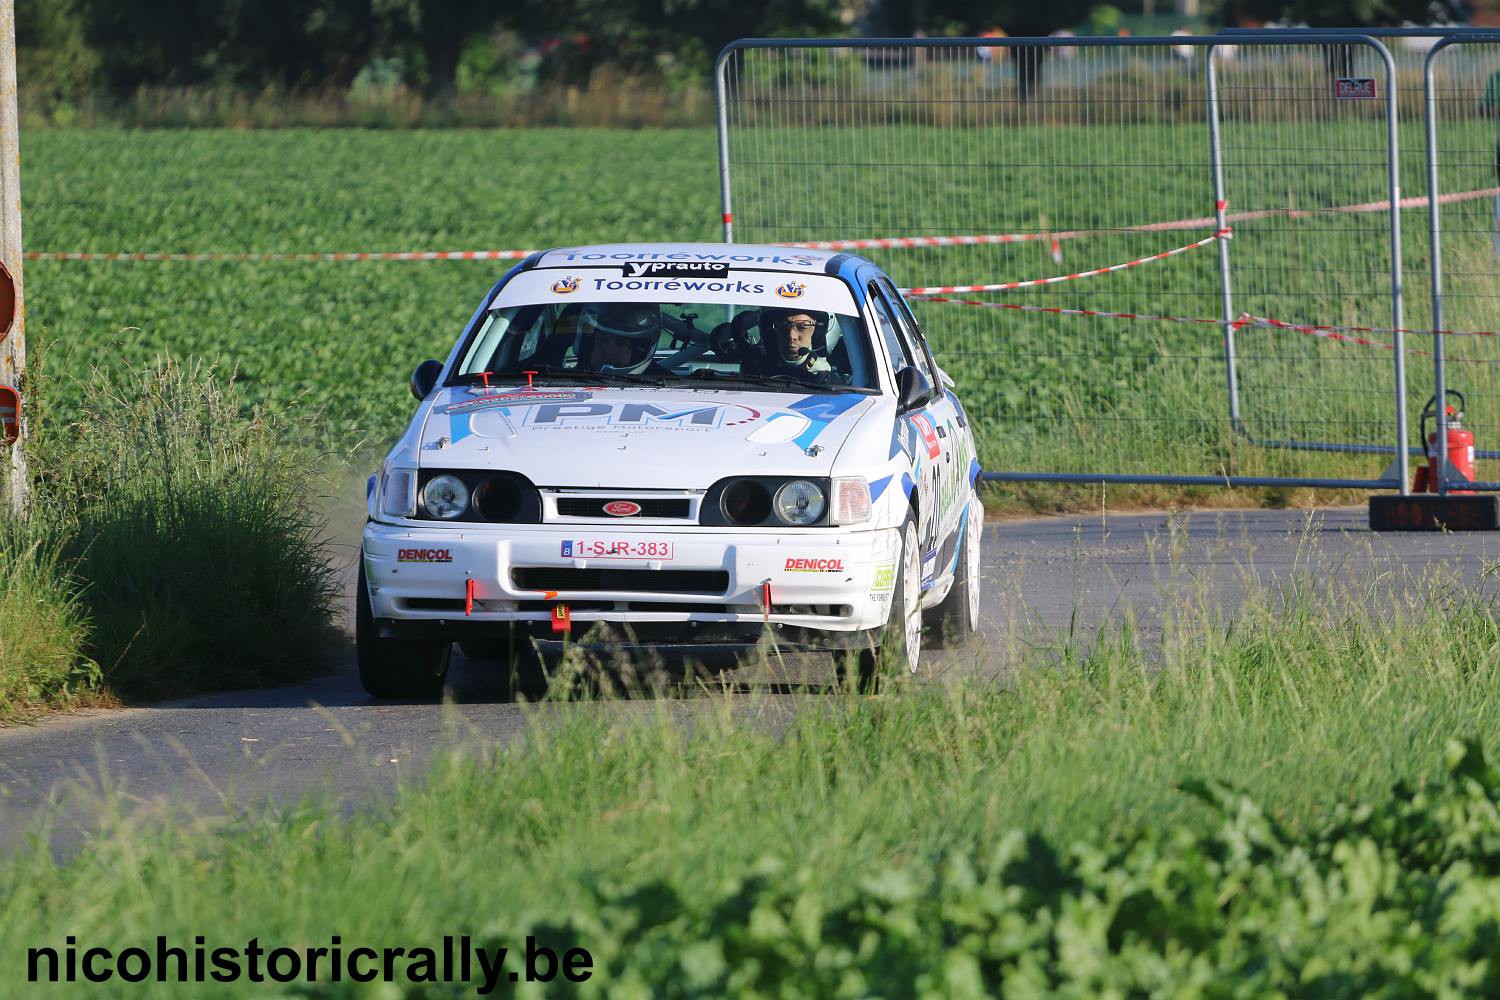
<point>1121,395</point>
<point>343,337</point>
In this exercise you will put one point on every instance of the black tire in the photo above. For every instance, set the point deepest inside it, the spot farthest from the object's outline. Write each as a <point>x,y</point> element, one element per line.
<point>396,668</point>
<point>956,619</point>
<point>520,666</point>
<point>896,648</point>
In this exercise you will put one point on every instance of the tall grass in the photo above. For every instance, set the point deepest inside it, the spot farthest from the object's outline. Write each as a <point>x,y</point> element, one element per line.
<point>1042,829</point>
<point>43,629</point>
<point>172,538</point>
<point>195,524</point>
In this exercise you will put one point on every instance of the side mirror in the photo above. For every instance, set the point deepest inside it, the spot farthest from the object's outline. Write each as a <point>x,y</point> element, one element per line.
<point>912,388</point>
<point>425,377</point>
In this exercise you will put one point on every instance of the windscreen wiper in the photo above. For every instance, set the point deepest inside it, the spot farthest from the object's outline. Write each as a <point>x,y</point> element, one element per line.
<point>626,378</point>
<point>755,379</point>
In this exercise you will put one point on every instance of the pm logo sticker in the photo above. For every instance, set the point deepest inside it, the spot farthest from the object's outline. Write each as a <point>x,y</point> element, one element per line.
<point>565,286</point>
<point>791,290</point>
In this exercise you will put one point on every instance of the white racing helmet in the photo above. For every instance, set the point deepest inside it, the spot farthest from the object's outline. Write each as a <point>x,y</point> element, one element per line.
<point>636,326</point>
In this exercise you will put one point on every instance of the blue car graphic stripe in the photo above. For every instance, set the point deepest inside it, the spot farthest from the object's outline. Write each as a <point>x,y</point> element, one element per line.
<point>821,411</point>
<point>963,523</point>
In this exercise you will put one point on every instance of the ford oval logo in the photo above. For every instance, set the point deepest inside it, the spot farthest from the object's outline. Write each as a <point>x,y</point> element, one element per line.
<point>622,508</point>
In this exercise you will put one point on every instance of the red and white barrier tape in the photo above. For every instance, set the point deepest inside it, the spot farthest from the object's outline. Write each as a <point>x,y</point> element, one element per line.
<point>928,292</point>
<point>910,242</point>
<point>241,257</point>
<point>1342,334</point>
<point>1262,321</point>
<point>1416,201</point>
<point>1060,311</point>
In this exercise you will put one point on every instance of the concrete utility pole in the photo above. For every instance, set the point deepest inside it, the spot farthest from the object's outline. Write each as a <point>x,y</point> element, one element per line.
<point>13,347</point>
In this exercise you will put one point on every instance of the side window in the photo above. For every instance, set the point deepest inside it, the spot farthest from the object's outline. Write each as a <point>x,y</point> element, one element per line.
<point>894,346</point>
<point>911,350</point>
<point>911,329</point>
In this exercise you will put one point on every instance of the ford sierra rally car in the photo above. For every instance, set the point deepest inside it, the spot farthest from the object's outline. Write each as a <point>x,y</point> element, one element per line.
<point>700,443</point>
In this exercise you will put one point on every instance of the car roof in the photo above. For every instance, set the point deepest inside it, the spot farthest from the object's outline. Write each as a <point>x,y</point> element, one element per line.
<point>756,256</point>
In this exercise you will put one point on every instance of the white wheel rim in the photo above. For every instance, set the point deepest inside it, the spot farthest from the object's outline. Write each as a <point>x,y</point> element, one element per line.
<point>911,598</point>
<point>971,558</point>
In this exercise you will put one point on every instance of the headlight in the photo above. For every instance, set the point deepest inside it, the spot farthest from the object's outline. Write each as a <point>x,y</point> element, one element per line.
<point>398,492</point>
<point>746,502</point>
<point>851,500</point>
<point>800,502</point>
<point>445,496</point>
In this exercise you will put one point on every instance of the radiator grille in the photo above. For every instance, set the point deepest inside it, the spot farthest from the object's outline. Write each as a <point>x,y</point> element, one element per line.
<point>594,507</point>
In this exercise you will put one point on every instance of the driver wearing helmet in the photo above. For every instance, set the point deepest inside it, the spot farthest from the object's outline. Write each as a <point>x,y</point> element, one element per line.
<point>796,344</point>
<point>617,338</point>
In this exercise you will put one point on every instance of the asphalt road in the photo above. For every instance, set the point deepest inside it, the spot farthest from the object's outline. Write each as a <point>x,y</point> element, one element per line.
<point>1045,579</point>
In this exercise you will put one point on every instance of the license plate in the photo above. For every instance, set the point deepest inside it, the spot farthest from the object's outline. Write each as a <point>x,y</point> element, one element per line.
<point>616,548</point>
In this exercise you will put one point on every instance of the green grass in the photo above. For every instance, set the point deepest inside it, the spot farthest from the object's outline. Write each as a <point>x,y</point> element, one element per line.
<point>1041,830</point>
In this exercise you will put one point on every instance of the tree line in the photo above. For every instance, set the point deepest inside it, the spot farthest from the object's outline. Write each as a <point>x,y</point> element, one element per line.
<point>71,47</point>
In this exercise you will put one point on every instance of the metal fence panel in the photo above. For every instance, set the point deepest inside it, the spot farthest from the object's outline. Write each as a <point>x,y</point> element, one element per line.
<point>1462,96</point>
<point>1066,157</point>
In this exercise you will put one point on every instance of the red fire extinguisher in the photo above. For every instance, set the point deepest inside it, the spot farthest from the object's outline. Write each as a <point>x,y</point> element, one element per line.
<point>1460,447</point>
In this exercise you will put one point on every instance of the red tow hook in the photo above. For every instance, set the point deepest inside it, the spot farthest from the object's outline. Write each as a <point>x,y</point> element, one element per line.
<point>468,597</point>
<point>529,376</point>
<point>485,378</point>
<point>765,600</point>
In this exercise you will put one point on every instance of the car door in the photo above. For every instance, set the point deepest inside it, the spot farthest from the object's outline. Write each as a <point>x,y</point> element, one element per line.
<point>941,428</point>
<point>935,425</point>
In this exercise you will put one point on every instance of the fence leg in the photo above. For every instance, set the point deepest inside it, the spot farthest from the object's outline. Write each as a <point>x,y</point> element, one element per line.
<point>1393,167</point>
<point>1216,158</point>
<point>1435,229</point>
<point>721,94</point>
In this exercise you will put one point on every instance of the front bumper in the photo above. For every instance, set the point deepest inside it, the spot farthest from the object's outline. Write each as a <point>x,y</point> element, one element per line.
<point>463,581</point>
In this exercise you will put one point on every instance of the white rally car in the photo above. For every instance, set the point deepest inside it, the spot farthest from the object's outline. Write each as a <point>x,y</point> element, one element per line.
<point>704,443</point>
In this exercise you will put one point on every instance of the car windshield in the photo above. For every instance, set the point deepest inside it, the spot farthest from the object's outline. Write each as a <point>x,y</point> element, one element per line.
<point>777,342</point>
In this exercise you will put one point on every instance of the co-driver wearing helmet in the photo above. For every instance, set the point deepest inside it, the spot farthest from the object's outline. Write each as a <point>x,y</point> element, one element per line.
<point>617,338</point>
<point>795,342</point>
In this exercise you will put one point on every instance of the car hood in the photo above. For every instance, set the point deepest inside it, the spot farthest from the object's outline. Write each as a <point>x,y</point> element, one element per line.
<point>642,438</point>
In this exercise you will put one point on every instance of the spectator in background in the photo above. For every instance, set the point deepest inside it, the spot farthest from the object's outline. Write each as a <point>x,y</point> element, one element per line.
<point>1064,52</point>
<point>986,53</point>
<point>1183,52</point>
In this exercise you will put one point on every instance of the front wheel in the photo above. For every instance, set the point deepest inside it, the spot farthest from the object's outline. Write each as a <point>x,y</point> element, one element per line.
<point>396,668</point>
<point>898,645</point>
